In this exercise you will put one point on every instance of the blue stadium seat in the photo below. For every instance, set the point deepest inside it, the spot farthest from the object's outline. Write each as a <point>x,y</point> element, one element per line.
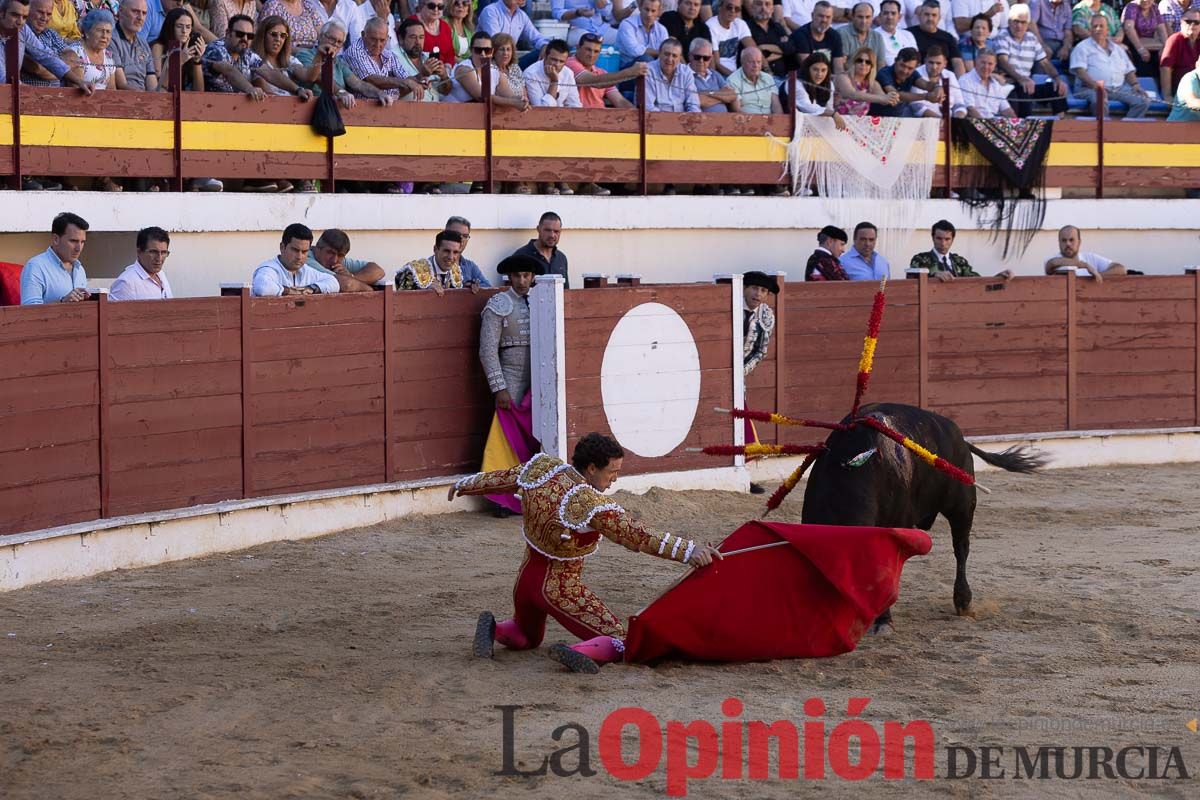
<point>1151,87</point>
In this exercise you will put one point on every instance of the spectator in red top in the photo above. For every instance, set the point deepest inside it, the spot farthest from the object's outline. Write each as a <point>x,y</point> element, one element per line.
<point>439,38</point>
<point>1180,55</point>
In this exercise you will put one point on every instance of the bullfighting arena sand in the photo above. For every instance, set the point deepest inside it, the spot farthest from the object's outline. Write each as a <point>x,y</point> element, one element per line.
<point>340,667</point>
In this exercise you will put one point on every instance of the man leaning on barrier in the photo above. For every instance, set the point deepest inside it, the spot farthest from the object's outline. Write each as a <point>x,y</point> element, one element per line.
<point>287,273</point>
<point>438,272</point>
<point>13,14</point>
<point>328,256</point>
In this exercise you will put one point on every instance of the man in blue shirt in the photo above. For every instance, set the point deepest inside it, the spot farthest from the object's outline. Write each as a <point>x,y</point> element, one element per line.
<point>470,270</point>
<point>506,17</point>
<point>56,276</point>
<point>861,262</point>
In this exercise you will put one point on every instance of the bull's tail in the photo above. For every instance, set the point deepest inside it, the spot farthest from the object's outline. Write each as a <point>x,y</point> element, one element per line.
<point>1014,459</point>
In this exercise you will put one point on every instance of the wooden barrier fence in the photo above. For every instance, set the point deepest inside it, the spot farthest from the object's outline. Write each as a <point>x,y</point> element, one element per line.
<point>119,408</point>
<point>181,135</point>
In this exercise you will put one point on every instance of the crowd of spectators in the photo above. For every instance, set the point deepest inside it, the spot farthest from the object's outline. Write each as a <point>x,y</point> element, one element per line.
<point>882,58</point>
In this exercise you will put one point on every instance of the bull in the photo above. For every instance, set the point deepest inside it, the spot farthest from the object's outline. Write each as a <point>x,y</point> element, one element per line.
<point>864,478</point>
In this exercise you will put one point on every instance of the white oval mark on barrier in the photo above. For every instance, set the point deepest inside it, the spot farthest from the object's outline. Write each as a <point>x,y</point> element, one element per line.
<point>650,380</point>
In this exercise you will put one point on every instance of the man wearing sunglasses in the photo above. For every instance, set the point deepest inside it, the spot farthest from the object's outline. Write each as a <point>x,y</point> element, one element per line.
<point>715,95</point>
<point>1180,53</point>
<point>230,65</point>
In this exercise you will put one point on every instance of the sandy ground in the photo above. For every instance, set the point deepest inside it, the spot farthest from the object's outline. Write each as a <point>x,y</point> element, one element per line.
<point>340,667</point>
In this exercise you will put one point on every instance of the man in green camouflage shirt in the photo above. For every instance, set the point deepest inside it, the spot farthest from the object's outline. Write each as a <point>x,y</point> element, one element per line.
<point>941,263</point>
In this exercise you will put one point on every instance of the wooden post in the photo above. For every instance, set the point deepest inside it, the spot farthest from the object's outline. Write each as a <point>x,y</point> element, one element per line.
<point>594,280</point>
<point>489,180</point>
<point>12,64</point>
<point>641,106</point>
<point>780,339</point>
<point>175,81</point>
<point>949,138</point>
<point>1072,357</point>
<point>103,381</point>
<point>327,86</point>
<point>389,381</point>
<point>923,288</point>
<point>1195,273</point>
<point>247,388</point>
<point>1101,113</point>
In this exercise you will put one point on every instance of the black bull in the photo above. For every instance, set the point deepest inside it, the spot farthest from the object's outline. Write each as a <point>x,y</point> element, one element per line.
<point>894,488</point>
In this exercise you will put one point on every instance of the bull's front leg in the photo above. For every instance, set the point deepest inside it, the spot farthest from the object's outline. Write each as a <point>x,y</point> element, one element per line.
<point>960,533</point>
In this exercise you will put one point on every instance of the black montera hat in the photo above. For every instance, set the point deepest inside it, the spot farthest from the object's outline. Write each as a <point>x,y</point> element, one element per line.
<point>756,278</point>
<point>521,263</point>
<point>831,232</point>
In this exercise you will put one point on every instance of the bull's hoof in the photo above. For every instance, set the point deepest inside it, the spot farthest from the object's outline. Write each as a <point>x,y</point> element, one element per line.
<point>573,659</point>
<point>882,629</point>
<point>967,611</point>
<point>483,645</point>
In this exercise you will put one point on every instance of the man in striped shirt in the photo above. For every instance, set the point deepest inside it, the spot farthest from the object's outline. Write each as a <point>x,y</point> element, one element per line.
<point>1017,52</point>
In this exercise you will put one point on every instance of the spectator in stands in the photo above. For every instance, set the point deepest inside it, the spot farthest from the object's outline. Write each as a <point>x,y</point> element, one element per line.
<point>1081,20</point>
<point>1098,58</point>
<point>439,42</point>
<point>975,40</point>
<point>288,273</point>
<point>728,32</point>
<point>857,88</point>
<point>772,39</point>
<point>588,16</point>
<point>346,84</point>
<point>1187,105</point>
<point>712,91</point>
<point>272,43</point>
<point>817,37</point>
<point>230,65</point>
<point>861,262</point>
<point>130,51</point>
<point>371,60</point>
<point>640,37</point>
<point>467,85</point>
<point>755,89</point>
<point>460,16</point>
<point>328,256</point>
<point>506,16</point>
<point>144,279</point>
<point>235,7</point>
<point>983,93</point>
<point>545,247</point>
<point>929,34</point>
<point>471,271</point>
<point>1069,255</point>
<point>901,78</point>
<point>91,52</point>
<point>1018,51</point>
<point>1172,12</point>
<point>814,89</point>
<point>33,73</point>
<point>438,272</point>
<point>795,14</point>
<point>355,16</point>
<point>930,76</point>
<point>823,264</point>
<point>965,12</point>
<point>684,24</point>
<point>1180,54</point>
<point>1146,34</point>
<point>894,37</point>
<point>57,276</point>
<point>1052,25</point>
<point>597,86</point>
<point>415,63</point>
<point>176,34</point>
<point>941,263</point>
<point>860,33</point>
<point>302,18</point>
<point>504,60</point>
<point>669,86</point>
<point>548,82</point>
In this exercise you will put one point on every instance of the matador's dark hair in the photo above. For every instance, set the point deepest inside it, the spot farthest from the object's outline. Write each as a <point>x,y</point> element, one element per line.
<point>596,448</point>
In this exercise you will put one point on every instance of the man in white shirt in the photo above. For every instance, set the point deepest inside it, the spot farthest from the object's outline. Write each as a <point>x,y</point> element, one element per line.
<point>727,30</point>
<point>144,279</point>
<point>1069,255</point>
<point>547,83</point>
<point>288,273</point>
<point>1097,59</point>
<point>965,11</point>
<point>985,96</point>
<point>932,72</point>
<point>895,38</point>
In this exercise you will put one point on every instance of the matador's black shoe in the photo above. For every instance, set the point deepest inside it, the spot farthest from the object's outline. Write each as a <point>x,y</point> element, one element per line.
<point>485,636</point>
<point>573,659</point>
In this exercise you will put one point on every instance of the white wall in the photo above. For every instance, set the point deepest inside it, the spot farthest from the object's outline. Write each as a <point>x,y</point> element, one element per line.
<point>221,237</point>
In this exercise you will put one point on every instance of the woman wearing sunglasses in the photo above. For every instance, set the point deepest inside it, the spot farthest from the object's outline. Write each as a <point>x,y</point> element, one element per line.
<point>460,16</point>
<point>439,40</point>
<point>857,88</point>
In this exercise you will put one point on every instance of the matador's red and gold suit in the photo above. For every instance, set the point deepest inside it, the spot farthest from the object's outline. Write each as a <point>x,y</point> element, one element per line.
<point>565,519</point>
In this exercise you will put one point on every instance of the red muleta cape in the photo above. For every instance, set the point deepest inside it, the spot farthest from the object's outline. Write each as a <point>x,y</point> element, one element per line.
<point>814,598</point>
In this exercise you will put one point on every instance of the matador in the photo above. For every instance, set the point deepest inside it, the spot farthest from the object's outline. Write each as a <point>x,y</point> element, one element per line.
<point>565,517</point>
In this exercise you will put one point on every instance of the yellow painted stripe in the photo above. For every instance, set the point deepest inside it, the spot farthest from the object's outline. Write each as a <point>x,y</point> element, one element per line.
<point>95,132</point>
<point>564,144</point>
<point>6,138</point>
<point>255,136</point>
<point>1131,154</point>
<point>683,147</point>
<point>366,140</point>
<point>1062,154</point>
